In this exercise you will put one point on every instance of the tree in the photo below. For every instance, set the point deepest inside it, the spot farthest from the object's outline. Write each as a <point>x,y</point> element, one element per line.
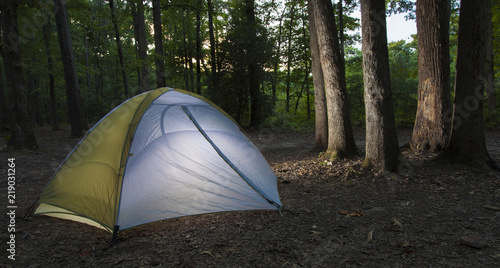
<point>382,149</point>
<point>490,64</point>
<point>158,36</point>
<point>289,55</point>
<point>77,119</point>
<point>3,102</point>
<point>321,129</point>
<point>137,8</point>
<point>340,135</point>
<point>52,93</point>
<point>213,58</point>
<point>253,67</point>
<point>199,6</point>
<point>119,48</point>
<point>21,131</point>
<point>431,130</point>
<point>467,142</point>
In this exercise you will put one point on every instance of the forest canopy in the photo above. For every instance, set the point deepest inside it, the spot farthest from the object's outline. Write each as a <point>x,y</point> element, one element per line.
<point>254,61</point>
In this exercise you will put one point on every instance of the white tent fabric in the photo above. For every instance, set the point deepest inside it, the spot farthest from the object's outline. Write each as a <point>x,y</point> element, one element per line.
<point>189,158</point>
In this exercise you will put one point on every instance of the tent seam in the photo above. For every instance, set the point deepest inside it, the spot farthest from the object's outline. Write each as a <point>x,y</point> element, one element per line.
<point>223,156</point>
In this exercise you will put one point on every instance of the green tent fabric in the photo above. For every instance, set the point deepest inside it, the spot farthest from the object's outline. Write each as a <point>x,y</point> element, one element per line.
<point>163,154</point>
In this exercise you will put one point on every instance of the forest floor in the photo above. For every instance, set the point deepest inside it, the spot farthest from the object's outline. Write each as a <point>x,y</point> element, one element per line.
<point>336,215</point>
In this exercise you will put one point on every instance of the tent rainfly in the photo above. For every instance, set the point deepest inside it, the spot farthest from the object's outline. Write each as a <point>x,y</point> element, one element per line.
<point>163,154</point>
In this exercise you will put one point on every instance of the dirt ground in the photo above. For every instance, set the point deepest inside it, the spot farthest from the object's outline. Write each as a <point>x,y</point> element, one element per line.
<point>335,215</point>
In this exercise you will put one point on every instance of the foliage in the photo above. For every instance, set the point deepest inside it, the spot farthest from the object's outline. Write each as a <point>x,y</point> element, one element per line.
<point>99,71</point>
<point>404,81</point>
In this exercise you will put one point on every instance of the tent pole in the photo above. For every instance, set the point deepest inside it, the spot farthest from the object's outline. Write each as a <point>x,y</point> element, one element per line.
<point>115,233</point>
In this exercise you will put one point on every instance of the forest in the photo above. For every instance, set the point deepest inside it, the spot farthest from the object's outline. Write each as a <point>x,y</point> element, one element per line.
<point>398,140</point>
<point>253,59</point>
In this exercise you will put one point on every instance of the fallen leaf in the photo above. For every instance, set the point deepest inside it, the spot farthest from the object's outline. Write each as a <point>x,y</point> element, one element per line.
<point>370,236</point>
<point>208,252</point>
<point>396,222</point>
<point>315,232</point>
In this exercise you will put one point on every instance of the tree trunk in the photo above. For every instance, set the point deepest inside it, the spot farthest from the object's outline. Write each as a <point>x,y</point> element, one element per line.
<point>340,135</point>
<point>289,59</point>
<point>213,59</point>
<point>158,36</point>
<point>253,68</point>
<point>467,143</point>
<point>3,101</point>
<point>198,46</point>
<point>52,93</point>
<point>21,130</point>
<point>3,104</point>
<point>340,10</point>
<point>321,129</point>
<point>431,130</point>
<point>77,119</point>
<point>276,63</point>
<point>142,45</point>
<point>119,48</point>
<point>382,148</point>
<point>90,110</point>
<point>490,65</point>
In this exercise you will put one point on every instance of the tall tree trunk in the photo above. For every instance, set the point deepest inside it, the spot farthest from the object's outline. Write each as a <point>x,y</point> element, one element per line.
<point>382,148</point>
<point>191,65</point>
<point>340,135</point>
<point>90,110</point>
<point>321,129</point>
<point>158,36</point>
<point>119,48</point>
<point>198,46</point>
<point>253,68</point>
<point>467,141</point>
<point>77,119</point>
<point>431,130</point>
<point>213,59</point>
<point>185,51</point>
<point>3,101</point>
<point>490,65</point>
<point>289,59</point>
<point>276,63</point>
<point>21,130</point>
<point>52,93</point>
<point>340,10</point>
<point>142,45</point>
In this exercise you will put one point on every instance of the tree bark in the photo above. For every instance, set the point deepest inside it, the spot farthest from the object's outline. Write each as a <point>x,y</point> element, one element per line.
<point>3,104</point>
<point>52,93</point>
<point>213,59</point>
<point>158,36</point>
<point>340,10</point>
<point>382,148</point>
<point>289,58</point>
<point>490,64</point>
<point>467,143</point>
<point>321,126</point>
<point>198,46</point>
<point>431,130</point>
<point>77,119</point>
<point>21,130</point>
<point>119,48</point>
<point>276,63</point>
<point>253,68</point>
<point>142,45</point>
<point>3,98</point>
<point>340,135</point>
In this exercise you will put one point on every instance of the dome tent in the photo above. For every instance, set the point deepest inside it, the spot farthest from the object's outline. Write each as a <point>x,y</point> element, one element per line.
<point>162,154</point>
